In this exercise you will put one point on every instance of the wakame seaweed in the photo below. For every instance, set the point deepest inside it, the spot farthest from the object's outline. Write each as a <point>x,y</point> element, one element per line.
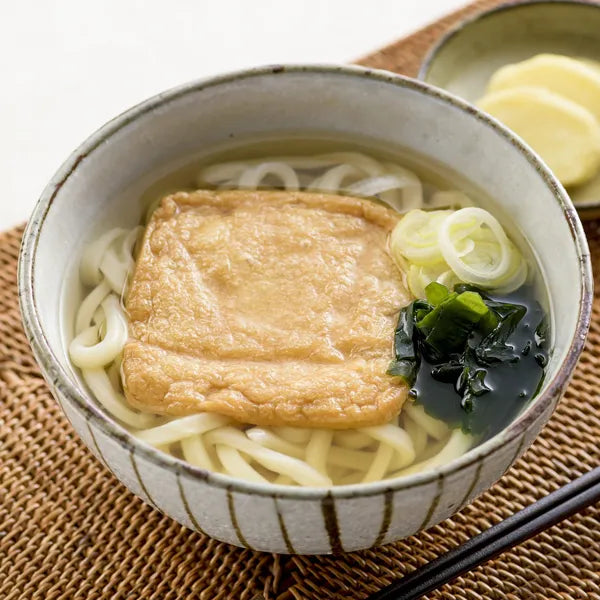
<point>470,359</point>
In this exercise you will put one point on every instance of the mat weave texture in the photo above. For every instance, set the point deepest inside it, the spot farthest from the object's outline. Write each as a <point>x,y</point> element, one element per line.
<point>70,531</point>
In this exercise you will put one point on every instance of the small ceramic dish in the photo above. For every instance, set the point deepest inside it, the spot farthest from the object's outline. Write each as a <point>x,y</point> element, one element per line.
<point>88,193</point>
<point>463,61</point>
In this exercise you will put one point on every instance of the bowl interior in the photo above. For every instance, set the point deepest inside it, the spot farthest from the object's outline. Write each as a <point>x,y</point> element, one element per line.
<point>464,61</point>
<point>99,185</point>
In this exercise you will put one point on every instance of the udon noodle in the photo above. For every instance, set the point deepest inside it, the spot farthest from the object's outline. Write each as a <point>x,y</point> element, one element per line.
<point>413,442</point>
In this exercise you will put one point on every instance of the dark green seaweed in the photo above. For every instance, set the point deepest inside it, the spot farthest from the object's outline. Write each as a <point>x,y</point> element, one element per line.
<point>472,360</point>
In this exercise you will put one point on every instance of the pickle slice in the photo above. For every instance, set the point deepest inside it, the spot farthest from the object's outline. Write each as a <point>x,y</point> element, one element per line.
<point>563,133</point>
<point>576,80</point>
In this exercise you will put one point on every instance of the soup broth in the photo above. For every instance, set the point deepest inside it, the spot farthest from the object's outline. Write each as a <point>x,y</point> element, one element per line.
<point>460,390</point>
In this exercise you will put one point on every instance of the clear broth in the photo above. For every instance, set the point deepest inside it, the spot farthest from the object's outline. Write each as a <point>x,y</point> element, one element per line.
<point>513,386</point>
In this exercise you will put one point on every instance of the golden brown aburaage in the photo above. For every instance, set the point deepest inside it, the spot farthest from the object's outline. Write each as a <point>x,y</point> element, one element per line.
<point>274,308</point>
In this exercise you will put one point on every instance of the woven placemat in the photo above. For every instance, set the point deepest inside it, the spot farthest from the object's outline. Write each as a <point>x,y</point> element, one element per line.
<point>70,530</point>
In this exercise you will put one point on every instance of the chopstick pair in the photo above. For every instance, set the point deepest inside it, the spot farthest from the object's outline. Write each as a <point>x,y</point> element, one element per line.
<point>555,507</point>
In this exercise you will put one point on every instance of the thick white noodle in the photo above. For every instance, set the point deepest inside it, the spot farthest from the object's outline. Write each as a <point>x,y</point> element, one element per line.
<point>253,177</point>
<point>380,464</point>
<point>175,430</point>
<point>114,402</point>
<point>296,435</point>
<point>346,172</point>
<point>221,173</point>
<point>333,179</point>
<point>412,191</point>
<point>269,439</point>
<point>417,434</point>
<point>457,445</point>
<point>90,305</point>
<point>118,262</point>
<point>297,469</point>
<point>87,352</point>
<point>374,186</point>
<point>317,449</point>
<point>282,455</point>
<point>236,466</point>
<point>395,438</point>
<point>350,459</point>
<point>352,438</point>
<point>93,255</point>
<point>194,451</point>
<point>435,428</point>
<point>361,161</point>
<point>229,172</point>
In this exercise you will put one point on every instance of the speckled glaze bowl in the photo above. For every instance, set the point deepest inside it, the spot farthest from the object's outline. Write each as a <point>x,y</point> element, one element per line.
<point>463,61</point>
<point>86,195</point>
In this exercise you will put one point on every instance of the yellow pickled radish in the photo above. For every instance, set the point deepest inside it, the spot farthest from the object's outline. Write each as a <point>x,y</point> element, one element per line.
<point>565,134</point>
<point>573,79</point>
<point>590,63</point>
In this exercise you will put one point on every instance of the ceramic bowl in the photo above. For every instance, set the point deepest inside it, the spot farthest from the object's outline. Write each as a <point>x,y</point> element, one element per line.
<point>88,193</point>
<point>463,61</point>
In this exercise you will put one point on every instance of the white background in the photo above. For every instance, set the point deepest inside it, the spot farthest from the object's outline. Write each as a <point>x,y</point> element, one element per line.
<point>70,65</point>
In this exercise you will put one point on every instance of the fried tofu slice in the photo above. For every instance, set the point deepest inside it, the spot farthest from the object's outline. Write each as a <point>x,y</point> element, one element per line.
<point>273,308</point>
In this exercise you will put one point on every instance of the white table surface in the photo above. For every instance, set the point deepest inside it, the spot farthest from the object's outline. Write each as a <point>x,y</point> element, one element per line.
<point>70,65</point>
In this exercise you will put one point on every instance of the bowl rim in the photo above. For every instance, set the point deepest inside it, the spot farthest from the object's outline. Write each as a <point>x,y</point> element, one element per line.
<point>83,402</point>
<point>467,22</point>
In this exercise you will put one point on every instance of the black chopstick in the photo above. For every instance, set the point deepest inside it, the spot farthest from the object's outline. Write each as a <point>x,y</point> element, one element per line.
<point>526,523</point>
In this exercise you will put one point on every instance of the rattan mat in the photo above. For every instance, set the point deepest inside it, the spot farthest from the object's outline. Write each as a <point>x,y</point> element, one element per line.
<point>70,530</point>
